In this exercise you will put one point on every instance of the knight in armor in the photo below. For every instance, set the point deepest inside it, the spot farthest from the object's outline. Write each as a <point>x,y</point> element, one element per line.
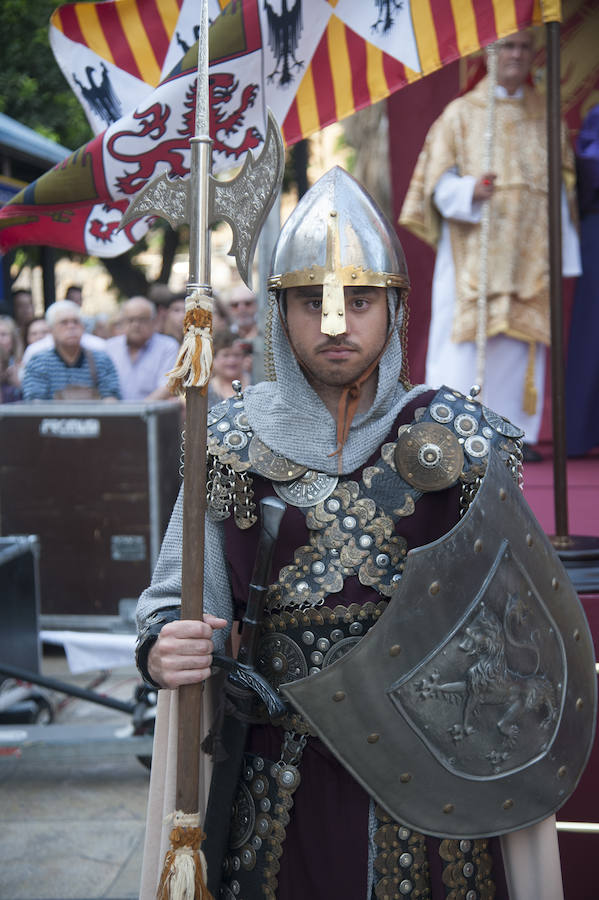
<point>370,468</point>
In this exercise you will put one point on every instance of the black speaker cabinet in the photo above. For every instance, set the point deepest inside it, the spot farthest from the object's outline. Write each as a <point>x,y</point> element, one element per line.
<point>96,483</point>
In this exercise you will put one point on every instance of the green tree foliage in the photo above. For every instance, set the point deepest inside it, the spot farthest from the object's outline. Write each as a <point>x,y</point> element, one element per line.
<point>33,90</point>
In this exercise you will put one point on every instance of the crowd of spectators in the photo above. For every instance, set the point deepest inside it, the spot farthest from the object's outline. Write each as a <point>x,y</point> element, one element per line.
<point>66,355</point>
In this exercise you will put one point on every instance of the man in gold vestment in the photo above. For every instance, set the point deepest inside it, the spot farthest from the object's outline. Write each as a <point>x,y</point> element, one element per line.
<point>444,205</point>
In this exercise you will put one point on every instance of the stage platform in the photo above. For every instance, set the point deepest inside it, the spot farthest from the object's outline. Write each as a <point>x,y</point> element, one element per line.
<point>583,492</point>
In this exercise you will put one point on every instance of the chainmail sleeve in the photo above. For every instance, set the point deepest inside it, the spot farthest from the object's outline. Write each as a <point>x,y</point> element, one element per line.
<point>161,601</point>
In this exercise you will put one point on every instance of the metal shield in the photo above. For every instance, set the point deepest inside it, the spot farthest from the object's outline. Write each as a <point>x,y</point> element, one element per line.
<point>469,708</point>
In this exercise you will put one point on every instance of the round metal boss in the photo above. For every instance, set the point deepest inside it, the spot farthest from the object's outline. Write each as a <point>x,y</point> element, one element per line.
<point>307,490</point>
<point>429,456</point>
<point>272,465</point>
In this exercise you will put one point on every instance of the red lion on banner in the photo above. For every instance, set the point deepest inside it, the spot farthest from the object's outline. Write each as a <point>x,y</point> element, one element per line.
<point>155,124</point>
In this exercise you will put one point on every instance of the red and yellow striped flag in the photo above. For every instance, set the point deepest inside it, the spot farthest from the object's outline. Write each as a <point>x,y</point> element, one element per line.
<point>348,71</point>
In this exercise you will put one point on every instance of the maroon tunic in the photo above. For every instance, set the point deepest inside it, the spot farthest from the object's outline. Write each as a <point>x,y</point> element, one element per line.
<point>325,852</point>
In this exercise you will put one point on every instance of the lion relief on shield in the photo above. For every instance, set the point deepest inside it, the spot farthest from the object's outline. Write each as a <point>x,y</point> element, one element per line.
<point>490,698</point>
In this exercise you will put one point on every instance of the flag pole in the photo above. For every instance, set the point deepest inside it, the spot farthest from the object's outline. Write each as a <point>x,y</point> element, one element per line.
<point>561,539</point>
<point>579,553</point>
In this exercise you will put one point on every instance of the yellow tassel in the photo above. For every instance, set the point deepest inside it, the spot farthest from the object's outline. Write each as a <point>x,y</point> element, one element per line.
<point>194,362</point>
<point>530,398</point>
<point>184,873</point>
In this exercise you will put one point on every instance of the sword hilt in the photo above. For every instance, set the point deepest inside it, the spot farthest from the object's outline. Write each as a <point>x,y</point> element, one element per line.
<point>245,676</point>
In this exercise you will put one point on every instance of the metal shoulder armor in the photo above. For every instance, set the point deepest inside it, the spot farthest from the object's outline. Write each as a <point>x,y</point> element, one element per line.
<point>234,454</point>
<point>229,485</point>
<point>451,440</point>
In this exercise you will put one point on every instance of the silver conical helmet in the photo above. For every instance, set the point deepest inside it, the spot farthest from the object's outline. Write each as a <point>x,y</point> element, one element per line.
<point>337,236</point>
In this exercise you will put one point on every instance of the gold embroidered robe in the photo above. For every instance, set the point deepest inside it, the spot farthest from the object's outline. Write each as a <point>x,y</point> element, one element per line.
<point>518,255</point>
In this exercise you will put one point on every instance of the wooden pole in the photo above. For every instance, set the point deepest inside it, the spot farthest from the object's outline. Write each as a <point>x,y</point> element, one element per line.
<point>561,539</point>
<point>192,592</point>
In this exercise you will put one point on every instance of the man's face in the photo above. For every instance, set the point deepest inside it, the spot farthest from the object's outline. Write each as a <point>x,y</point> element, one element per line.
<point>337,361</point>
<point>23,308</point>
<point>138,322</point>
<point>243,311</point>
<point>514,58</point>
<point>67,332</point>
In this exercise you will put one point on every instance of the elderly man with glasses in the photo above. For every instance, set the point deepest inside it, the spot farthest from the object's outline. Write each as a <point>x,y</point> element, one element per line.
<point>142,356</point>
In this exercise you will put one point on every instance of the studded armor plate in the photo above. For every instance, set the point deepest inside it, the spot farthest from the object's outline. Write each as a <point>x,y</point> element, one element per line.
<point>482,721</point>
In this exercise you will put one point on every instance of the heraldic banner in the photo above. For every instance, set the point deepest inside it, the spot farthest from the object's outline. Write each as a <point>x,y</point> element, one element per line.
<point>132,64</point>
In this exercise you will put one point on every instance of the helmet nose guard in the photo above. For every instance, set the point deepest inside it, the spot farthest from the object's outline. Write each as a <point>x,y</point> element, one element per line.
<point>337,237</point>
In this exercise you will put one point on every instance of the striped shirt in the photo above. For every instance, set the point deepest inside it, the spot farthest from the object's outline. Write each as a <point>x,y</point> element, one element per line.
<point>47,372</point>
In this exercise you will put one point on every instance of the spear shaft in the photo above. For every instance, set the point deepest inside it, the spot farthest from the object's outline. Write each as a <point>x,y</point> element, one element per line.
<point>194,486</point>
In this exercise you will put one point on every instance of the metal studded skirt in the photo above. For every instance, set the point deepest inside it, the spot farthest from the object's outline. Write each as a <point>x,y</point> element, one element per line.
<point>301,643</point>
<point>259,818</point>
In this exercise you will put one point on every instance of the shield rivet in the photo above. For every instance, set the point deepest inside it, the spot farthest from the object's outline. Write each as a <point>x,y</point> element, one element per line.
<point>478,545</point>
<point>448,808</point>
<point>405,777</point>
<point>562,771</point>
<point>465,846</point>
<point>308,637</point>
<point>316,658</point>
<point>507,804</point>
<point>338,696</point>
<point>373,738</point>
<point>336,634</point>
<point>395,650</point>
<point>579,704</point>
<point>468,870</point>
<point>405,860</point>
<point>554,584</point>
<point>471,895</point>
<point>248,858</point>
<point>405,887</point>
<point>323,644</point>
<point>434,588</point>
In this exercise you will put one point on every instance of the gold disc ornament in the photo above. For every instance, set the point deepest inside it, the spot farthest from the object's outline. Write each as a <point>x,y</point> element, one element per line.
<point>429,456</point>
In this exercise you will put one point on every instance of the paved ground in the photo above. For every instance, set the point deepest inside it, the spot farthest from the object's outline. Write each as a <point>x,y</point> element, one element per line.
<point>73,830</point>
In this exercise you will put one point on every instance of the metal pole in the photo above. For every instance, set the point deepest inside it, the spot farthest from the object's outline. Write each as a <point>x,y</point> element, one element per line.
<point>555,285</point>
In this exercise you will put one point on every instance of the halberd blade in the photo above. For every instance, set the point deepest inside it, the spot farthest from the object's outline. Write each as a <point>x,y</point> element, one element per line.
<point>245,201</point>
<point>164,197</point>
